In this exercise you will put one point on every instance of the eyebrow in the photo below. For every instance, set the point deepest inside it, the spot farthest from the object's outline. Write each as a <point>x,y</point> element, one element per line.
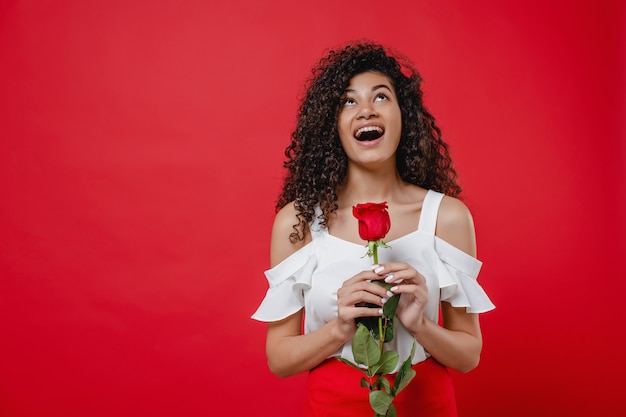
<point>376,87</point>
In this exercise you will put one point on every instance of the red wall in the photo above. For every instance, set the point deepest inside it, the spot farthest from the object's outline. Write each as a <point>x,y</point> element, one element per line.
<point>141,156</point>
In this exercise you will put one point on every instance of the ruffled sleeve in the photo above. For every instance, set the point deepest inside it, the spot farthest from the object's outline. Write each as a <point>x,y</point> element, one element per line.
<point>287,282</point>
<point>457,272</point>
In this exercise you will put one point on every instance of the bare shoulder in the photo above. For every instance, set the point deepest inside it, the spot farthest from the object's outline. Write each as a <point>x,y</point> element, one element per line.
<point>281,246</point>
<point>455,225</point>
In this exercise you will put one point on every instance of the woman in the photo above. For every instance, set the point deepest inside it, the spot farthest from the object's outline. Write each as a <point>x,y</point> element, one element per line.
<point>364,135</point>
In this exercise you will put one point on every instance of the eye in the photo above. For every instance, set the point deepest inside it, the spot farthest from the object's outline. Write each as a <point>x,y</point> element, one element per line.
<point>381,97</point>
<point>348,101</point>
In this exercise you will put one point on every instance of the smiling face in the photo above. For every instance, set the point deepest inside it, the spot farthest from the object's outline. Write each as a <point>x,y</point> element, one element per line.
<point>370,121</point>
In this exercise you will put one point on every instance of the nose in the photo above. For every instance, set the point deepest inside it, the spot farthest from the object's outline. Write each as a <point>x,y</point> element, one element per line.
<point>366,111</point>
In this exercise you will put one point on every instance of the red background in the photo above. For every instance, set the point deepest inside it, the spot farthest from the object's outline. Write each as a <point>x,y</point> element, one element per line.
<point>141,157</point>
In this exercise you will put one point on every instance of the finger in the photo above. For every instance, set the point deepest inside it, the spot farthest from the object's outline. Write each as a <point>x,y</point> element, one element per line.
<point>385,268</point>
<point>371,285</point>
<point>360,297</point>
<point>405,275</point>
<point>361,276</point>
<point>368,286</point>
<point>391,278</point>
<point>378,268</point>
<point>417,291</point>
<point>397,270</point>
<point>352,313</point>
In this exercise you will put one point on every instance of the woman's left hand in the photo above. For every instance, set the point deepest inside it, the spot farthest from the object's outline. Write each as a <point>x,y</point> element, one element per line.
<point>412,285</point>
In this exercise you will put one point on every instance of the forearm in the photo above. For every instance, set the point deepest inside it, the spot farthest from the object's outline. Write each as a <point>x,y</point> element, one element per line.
<point>292,354</point>
<point>455,349</point>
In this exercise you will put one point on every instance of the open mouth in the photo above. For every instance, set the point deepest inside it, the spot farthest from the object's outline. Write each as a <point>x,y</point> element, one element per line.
<point>368,133</point>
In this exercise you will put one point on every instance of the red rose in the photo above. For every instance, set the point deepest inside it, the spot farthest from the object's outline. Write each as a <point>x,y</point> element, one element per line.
<point>374,222</point>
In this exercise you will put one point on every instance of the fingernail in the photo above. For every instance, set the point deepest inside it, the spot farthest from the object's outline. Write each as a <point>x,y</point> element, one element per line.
<point>390,294</point>
<point>389,278</point>
<point>383,300</point>
<point>392,289</point>
<point>379,269</point>
<point>375,266</point>
<point>380,311</point>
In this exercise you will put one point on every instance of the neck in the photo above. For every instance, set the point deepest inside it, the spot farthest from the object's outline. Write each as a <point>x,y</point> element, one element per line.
<point>370,185</point>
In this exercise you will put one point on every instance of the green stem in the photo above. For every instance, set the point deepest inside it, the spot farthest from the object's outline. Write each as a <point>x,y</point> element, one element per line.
<point>381,333</point>
<point>375,253</point>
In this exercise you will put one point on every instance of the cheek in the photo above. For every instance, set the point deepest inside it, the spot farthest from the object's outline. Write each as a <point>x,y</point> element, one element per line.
<point>343,125</point>
<point>345,143</point>
<point>397,122</point>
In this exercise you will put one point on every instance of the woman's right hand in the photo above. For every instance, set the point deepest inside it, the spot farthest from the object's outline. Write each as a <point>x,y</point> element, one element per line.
<point>352,298</point>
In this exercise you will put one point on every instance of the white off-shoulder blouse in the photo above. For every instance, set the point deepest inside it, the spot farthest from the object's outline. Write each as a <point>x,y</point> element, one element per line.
<point>311,276</point>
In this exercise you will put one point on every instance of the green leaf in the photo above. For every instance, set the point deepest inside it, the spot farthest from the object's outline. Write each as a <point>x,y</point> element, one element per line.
<point>387,363</point>
<point>405,374</point>
<point>365,384</point>
<point>382,383</point>
<point>392,411</point>
<point>372,250</point>
<point>389,308</point>
<point>354,365</point>
<point>364,348</point>
<point>382,244</point>
<point>410,358</point>
<point>380,401</point>
<point>407,377</point>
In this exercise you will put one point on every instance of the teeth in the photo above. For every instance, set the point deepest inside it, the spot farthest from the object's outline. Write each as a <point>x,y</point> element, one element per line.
<point>369,129</point>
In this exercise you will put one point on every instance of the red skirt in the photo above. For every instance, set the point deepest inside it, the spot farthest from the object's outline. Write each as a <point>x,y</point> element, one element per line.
<point>334,390</point>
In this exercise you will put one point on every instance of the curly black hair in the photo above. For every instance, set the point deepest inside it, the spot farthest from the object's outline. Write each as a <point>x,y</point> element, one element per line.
<point>316,162</point>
